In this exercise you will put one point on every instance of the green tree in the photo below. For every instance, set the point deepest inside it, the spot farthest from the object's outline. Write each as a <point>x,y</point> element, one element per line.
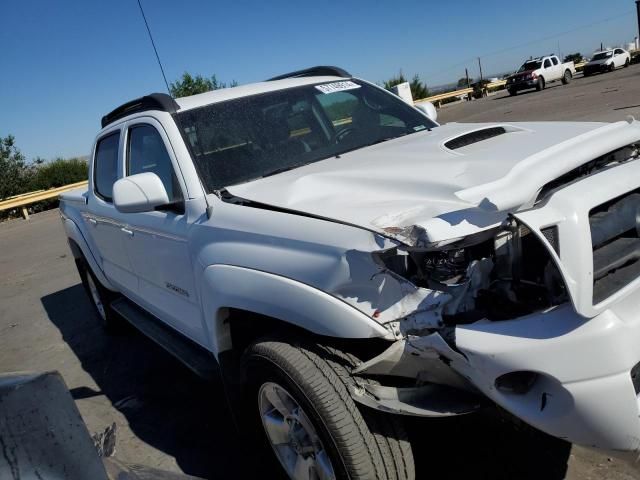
<point>462,82</point>
<point>419,89</point>
<point>14,172</point>
<point>573,57</point>
<point>393,81</point>
<point>189,85</point>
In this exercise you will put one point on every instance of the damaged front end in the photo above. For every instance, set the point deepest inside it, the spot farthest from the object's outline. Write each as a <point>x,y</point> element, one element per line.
<point>496,275</point>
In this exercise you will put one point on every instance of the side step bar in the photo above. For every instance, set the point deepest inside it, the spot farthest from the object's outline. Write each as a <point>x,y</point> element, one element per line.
<point>199,360</point>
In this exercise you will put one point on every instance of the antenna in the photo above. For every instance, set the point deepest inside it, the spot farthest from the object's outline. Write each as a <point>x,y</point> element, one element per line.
<point>154,48</point>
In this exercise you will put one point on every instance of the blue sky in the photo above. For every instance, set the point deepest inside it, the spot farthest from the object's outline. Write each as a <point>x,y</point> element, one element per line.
<point>64,64</point>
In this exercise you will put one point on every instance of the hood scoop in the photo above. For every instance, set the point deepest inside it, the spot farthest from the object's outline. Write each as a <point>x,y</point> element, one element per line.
<point>475,137</point>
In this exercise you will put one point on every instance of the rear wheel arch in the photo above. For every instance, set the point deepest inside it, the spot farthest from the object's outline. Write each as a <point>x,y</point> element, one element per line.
<point>80,250</point>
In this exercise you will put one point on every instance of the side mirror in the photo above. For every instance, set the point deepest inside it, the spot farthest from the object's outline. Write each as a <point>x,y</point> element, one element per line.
<point>428,109</point>
<point>139,193</point>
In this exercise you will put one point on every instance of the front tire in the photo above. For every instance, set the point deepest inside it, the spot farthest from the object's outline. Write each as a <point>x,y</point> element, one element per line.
<point>612,67</point>
<point>626,63</point>
<point>566,79</point>
<point>540,84</point>
<point>513,92</point>
<point>310,420</point>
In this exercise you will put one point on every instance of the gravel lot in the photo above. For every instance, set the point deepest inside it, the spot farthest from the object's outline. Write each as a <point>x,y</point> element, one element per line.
<point>169,419</point>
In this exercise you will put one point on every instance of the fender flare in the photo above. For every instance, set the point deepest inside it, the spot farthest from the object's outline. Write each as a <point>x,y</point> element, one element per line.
<point>296,303</point>
<point>75,236</point>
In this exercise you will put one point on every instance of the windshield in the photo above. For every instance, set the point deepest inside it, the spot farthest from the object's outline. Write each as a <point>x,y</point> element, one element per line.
<point>533,65</point>
<point>602,55</point>
<point>261,135</point>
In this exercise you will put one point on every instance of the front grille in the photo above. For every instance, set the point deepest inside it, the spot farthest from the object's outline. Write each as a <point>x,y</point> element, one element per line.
<point>615,241</point>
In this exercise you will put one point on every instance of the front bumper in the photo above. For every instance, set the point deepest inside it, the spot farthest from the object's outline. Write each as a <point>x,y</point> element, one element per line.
<point>590,69</point>
<point>522,85</point>
<point>583,353</point>
<point>584,392</point>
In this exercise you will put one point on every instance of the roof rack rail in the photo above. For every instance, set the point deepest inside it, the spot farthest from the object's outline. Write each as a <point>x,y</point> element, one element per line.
<point>155,101</point>
<point>321,70</point>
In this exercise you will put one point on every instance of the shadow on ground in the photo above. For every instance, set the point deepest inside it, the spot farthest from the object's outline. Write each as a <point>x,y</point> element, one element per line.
<point>169,408</point>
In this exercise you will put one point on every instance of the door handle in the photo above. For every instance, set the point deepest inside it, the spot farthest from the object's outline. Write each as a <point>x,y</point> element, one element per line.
<point>93,221</point>
<point>127,231</point>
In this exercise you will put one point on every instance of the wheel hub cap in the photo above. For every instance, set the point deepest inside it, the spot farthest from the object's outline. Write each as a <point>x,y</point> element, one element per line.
<point>95,296</point>
<point>293,437</point>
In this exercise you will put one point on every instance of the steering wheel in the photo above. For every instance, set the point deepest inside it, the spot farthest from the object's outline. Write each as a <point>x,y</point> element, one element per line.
<point>344,132</point>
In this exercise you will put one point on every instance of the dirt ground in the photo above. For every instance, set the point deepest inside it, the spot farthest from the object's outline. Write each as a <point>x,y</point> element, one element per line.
<point>169,419</point>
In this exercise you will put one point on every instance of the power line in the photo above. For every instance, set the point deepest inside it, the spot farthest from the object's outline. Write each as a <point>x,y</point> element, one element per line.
<point>154,47</point>
<point>441,71</point>
<point>566,32</point>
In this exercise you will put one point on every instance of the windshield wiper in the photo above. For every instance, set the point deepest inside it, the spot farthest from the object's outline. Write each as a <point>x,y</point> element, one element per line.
<point>375,142</point>
<point>282,169</point>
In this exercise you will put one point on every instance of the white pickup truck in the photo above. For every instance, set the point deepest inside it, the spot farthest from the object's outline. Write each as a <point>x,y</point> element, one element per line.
<point>538,72</point>
<point>347,263</point>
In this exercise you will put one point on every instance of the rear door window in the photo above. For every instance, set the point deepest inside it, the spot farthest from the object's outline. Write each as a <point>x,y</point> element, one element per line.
<point>105,169</point>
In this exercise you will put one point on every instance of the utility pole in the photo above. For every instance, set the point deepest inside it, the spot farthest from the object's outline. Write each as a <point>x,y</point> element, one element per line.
<point>480,65</point>
<point>638,10</point>
<point>466,74</point>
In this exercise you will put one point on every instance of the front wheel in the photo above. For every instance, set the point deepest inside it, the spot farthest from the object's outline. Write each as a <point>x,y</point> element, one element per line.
<point>612,67</point>
<point>513,92</point>
<point>299,394</point>
<point>626,63</point>
<point>540,84</point>
<point>566,79</point>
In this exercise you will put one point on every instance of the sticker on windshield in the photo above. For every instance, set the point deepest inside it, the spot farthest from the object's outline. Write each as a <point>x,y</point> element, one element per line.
<point>337,86</point>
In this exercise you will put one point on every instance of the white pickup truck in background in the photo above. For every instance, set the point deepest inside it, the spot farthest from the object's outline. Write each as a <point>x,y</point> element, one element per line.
<point>538,72</point>
<point>346,263</point>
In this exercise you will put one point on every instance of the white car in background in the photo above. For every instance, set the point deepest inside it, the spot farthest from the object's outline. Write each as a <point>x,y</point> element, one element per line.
<point>607,61</point>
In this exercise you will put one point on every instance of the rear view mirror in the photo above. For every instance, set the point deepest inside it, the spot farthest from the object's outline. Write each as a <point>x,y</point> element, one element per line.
<point>142,192</point>
<point>428,109</point>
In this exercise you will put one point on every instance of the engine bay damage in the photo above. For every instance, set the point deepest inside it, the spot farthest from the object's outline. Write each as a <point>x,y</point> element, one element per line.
<point>499,274</point>
<point>496,275</point>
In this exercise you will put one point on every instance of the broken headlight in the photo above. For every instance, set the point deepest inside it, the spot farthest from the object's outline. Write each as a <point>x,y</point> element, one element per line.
<point>504,274</point>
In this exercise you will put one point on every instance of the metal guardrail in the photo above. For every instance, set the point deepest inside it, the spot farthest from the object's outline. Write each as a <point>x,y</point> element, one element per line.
<point>21,201</point>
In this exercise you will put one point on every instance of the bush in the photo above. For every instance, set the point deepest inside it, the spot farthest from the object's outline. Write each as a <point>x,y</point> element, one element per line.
<point>59,172</point>
<point>18,177</point>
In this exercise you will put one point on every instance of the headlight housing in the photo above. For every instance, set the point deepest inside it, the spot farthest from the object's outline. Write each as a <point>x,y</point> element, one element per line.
<point>499,274</point>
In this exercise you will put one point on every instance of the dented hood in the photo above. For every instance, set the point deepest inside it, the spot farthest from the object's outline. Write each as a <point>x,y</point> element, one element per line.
<point>419,191</point>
